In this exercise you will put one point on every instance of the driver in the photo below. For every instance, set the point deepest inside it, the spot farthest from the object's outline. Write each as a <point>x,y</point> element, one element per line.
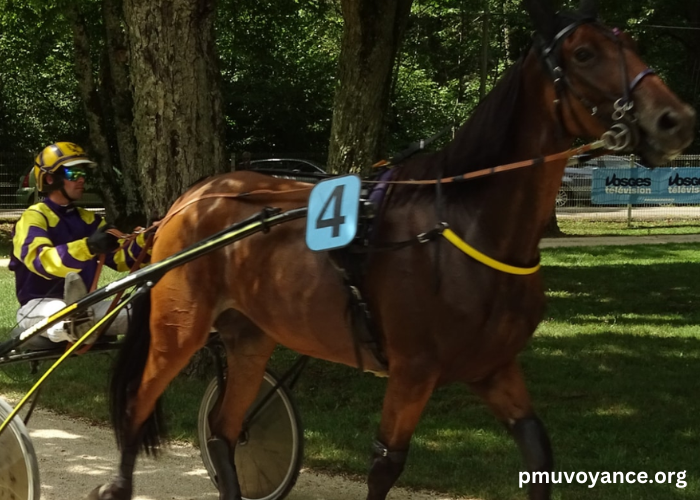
<point>55,246</point>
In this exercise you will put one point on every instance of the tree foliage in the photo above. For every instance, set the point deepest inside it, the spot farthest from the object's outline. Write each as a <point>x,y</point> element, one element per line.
<point>279,68</point>
<point>454,52</point>
<point>39,100</point>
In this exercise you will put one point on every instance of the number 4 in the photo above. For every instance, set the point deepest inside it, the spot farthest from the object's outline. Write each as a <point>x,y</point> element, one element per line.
<point>333,213</point>
<point>337,219</point>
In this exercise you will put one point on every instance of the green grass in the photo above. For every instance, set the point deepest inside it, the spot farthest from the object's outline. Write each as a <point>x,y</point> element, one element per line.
<point>613,371</point>
<point>576,227</point>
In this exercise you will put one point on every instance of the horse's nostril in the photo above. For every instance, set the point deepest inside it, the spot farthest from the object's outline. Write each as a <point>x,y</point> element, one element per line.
<point>668,121</point>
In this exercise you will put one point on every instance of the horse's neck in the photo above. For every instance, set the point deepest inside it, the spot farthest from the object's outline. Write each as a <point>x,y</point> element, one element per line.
<point>507,215</point>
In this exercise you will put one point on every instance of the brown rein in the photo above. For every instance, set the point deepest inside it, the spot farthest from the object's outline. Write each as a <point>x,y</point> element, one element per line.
<point>101,261</point>
<point>458,178</point>
<point>501,168</point>
<point>175,209</point>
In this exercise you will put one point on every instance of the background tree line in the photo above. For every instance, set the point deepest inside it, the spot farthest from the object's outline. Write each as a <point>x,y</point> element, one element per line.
<point>166,92</point>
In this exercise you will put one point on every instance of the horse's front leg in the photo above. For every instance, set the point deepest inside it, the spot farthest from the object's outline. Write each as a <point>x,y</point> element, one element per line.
<point>507,396</point>
<point>407,393</point>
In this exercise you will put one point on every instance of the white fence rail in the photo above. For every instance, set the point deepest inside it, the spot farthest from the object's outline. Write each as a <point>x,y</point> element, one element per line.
<point>580,197</point>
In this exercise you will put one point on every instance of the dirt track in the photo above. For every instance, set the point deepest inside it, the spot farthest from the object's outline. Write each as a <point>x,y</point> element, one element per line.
<point>75,456</point>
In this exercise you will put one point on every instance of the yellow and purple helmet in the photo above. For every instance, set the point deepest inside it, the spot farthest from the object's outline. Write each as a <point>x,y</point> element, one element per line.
<point>54,157</point>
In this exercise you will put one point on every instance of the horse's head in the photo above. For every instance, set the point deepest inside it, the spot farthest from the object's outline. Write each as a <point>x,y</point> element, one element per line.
<point>602,87</point>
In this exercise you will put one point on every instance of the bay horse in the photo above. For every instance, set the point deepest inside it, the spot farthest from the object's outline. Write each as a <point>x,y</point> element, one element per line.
<point>576,81</point>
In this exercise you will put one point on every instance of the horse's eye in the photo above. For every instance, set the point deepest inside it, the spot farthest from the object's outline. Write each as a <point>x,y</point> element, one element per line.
<point>583,54</point>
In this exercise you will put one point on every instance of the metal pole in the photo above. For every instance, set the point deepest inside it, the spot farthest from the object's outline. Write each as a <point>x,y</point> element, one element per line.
<point>629,205</point>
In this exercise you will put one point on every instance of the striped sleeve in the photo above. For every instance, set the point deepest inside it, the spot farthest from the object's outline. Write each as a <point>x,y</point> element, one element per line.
<point>32,245</point>
<point>124,258</point>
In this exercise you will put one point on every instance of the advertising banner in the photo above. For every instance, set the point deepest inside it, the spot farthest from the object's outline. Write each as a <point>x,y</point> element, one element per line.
<point>642,186</point>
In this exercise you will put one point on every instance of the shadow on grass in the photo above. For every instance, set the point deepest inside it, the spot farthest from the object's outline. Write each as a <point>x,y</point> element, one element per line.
<point>610,402</point>
<point>658,295</point>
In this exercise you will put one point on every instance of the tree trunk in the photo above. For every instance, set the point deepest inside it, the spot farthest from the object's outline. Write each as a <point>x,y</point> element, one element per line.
<point>371,37</point>
<point>93,112</point>
<point>178,121</point>
<point>552,230</point>
<point>120,103</point>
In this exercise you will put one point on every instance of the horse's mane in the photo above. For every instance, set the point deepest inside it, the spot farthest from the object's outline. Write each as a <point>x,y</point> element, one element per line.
<point>483,141</point>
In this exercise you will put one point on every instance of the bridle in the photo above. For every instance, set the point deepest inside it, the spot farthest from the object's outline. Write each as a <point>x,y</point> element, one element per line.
<point>621,135</point>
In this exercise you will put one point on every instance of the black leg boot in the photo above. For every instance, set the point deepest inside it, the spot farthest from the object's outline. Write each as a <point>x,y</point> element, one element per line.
<point>534,445</point>
<point>222,458</point>
<point>385,470</point>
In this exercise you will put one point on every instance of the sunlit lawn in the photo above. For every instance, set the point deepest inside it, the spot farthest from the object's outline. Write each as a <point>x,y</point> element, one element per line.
<point>583,227</point>
<point>613,370</point>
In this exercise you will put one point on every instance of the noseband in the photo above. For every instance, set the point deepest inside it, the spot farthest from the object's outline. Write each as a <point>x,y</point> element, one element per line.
<point>619,136</point>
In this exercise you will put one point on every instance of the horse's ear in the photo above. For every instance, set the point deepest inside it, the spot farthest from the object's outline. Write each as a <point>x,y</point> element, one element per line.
<point>589,9</point>
<point>542,15</point>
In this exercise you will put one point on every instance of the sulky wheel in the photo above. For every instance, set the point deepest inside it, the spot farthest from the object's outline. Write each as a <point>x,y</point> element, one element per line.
<point>19,471</point>
<point>269,452</point>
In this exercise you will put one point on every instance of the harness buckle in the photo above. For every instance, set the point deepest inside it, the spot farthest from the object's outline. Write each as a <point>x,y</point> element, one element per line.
<point>429,235</point>
<point>380,448</point>
<point>424,237</point>
<point>618,138</point>
<point>621,108</point>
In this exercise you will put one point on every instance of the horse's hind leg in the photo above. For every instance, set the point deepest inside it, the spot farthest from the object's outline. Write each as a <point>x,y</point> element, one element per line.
<point>177,332</point>
<point>507,396</point>
<point>408,391</point>
<point>247,351</point>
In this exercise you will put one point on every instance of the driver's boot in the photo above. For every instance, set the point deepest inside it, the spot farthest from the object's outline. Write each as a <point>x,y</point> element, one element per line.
<point>73,291</point>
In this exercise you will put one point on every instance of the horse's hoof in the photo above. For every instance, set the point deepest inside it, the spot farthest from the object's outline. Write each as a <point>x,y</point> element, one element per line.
<point>109,492</point>
<point>94,494</point>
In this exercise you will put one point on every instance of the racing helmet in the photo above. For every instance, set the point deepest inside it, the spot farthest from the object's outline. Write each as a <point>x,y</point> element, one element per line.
<point>53,158</point>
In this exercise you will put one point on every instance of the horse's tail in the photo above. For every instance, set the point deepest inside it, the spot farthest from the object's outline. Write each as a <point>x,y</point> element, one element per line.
<point>126,378</point>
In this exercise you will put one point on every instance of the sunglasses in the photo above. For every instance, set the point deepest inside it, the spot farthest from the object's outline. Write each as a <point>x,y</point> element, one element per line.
<point>73,173</point>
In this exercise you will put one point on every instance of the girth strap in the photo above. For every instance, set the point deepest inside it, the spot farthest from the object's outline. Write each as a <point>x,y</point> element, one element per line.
<point>362,326</point>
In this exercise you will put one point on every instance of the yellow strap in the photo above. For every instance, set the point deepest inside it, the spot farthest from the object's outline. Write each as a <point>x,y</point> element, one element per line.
<point>485,259</point>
